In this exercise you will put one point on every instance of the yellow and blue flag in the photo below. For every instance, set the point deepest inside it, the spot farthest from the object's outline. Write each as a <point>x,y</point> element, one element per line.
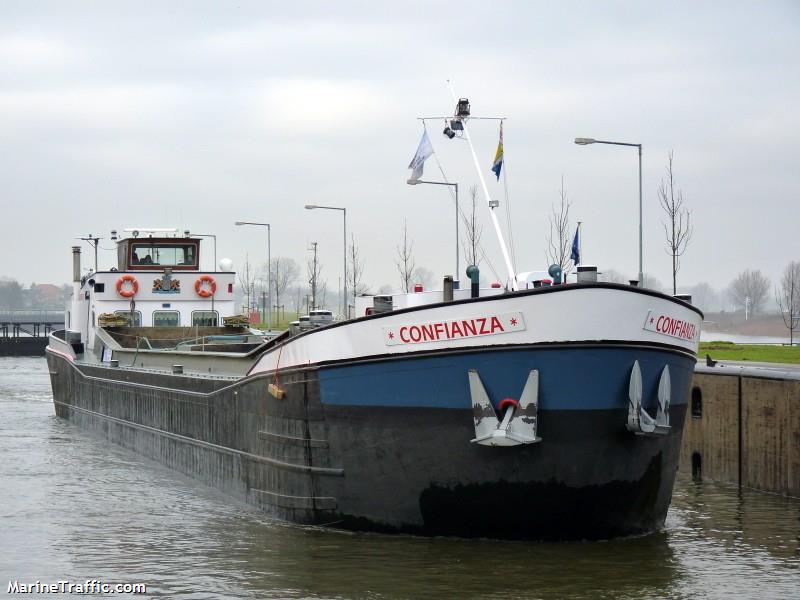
<point>498,157</point>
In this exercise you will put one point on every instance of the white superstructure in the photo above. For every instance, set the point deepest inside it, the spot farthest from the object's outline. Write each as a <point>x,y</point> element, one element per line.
<point>157,282</point>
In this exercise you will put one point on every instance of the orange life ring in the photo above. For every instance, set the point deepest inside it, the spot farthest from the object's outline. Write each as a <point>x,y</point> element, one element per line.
<point>127,292</point>
<point>204,292</point>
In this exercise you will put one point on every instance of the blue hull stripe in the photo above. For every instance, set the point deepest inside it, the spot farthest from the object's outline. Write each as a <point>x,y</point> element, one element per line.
<point>569,378</point>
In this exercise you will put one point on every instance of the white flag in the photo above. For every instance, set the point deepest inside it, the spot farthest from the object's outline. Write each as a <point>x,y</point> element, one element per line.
<point>424,150</point>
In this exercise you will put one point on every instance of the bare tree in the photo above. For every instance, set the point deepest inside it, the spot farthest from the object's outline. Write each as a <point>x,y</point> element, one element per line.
<point>405,261</point>
<point>788,298</point>
<point>313,271</point>
<point>559,244</point>
<point>247,281</point>
<point>749,287</point>
<point>472,240</point>
<point>355,271</point>
<point>678,229</point>
<point>283,272</point>
<point>297,294</point>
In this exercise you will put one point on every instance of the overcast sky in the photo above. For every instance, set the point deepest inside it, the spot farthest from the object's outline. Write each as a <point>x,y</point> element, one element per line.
<point>197,114</point>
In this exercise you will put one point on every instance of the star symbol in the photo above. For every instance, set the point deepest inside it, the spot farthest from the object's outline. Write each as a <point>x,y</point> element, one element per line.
<point>513,322</point>
<point>391,335</point>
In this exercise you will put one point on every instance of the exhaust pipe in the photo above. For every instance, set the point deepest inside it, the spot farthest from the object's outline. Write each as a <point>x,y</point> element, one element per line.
<point>76,264</point>
<point>447,288</point>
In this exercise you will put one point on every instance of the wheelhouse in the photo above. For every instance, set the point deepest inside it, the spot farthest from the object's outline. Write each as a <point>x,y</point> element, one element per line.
<point>154,254</point>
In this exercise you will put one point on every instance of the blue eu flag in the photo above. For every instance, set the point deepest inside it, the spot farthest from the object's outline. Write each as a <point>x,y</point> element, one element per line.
<point>576,252</point>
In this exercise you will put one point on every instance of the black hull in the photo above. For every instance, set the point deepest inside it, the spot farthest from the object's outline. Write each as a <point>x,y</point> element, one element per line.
<point>386,469</point>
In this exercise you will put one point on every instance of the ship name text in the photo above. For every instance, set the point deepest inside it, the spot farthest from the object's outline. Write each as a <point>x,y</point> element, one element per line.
<point>444,331</point>
<point>671,326</point>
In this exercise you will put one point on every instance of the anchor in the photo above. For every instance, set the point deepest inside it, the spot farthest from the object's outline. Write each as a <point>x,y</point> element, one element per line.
<point>639,421</point>
<point>518,425</point>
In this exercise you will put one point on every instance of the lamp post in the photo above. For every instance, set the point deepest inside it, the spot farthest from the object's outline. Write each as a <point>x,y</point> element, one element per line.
<point>269,267</point>
<point>455,186</point>
<point>344,220</point>
<point>587,141</point>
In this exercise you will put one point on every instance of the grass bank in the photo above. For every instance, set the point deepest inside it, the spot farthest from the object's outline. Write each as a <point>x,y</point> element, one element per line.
<point>731,351</point>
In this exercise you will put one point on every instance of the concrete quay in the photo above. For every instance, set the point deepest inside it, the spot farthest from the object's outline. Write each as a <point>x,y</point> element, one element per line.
<point>743,426</point>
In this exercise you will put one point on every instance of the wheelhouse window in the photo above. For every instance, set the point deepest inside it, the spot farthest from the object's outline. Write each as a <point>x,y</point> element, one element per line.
<point>163,254</point>
<point>133,321</point>
<point>205,318</point>
<point>166,318</point>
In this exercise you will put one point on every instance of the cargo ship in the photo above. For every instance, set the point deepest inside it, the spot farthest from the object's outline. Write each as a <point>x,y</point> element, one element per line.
<point>535,410</point>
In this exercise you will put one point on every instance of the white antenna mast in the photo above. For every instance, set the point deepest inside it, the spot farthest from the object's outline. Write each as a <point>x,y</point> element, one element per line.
<point>512,276</point>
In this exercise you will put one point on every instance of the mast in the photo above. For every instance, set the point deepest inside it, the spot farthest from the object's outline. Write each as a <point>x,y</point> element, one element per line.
<point>511,274</point>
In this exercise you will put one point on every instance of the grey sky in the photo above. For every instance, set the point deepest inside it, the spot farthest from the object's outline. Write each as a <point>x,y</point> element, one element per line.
<point>198,114</point>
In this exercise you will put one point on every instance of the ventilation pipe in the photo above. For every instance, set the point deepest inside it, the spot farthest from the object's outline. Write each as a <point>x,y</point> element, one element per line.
<point>474,275</point>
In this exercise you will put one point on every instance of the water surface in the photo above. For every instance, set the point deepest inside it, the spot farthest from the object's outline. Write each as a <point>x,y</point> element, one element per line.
<point>73,506</point>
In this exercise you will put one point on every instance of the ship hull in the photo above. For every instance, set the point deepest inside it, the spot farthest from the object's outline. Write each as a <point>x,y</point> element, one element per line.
<point>384,444</point>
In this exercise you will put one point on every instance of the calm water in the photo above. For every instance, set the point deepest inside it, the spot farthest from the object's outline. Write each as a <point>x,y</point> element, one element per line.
<point>73,506</point>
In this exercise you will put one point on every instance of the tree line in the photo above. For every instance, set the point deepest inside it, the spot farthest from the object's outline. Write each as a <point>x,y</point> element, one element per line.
<point>16,296</point>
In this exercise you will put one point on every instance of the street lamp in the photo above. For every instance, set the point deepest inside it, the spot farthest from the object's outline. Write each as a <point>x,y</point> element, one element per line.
<point>344,216</point>
<point>269,267</point>
<point>586,142</point>
<point>454,185</point>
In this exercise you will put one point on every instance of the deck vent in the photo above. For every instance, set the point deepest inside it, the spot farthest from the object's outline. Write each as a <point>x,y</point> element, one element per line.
<point>113,362</point>
<point>177,369</point>
<point>587,274</point>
